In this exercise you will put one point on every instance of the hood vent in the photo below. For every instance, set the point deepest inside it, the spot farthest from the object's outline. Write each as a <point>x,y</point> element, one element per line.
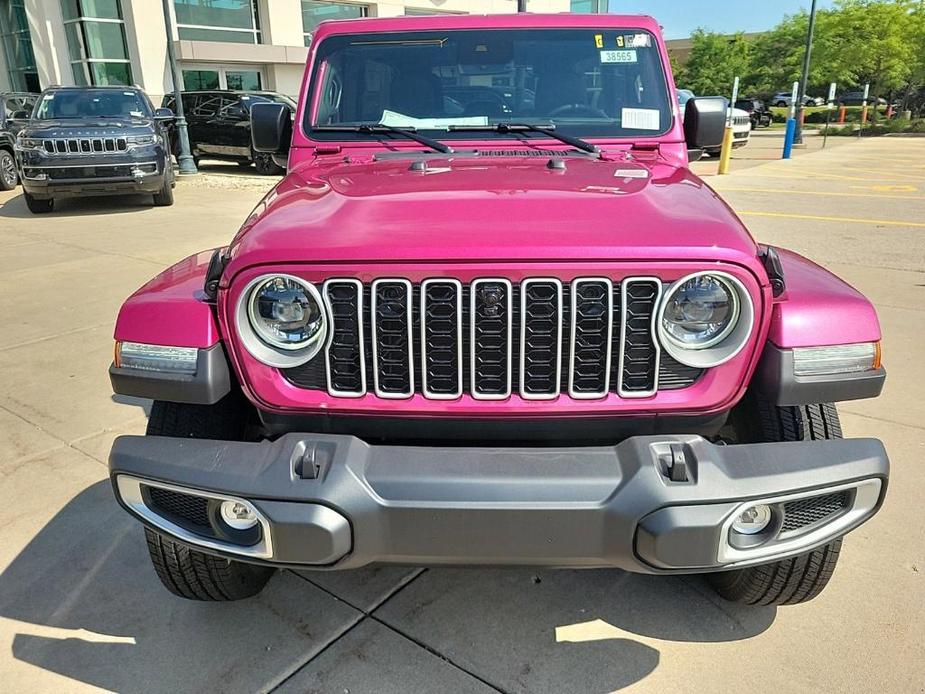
<point>520,153</point>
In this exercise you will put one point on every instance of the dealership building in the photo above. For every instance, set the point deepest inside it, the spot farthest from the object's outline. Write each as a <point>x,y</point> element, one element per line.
<point>220,44</point>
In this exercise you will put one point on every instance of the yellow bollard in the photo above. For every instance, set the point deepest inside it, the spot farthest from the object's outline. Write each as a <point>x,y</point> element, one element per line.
<point>725,152</point>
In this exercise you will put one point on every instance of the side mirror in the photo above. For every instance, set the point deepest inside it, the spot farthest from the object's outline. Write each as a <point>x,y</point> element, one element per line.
<point>163,114</point>
<point>20,115</point>
<point>271,128</point>
<point>705,122</point>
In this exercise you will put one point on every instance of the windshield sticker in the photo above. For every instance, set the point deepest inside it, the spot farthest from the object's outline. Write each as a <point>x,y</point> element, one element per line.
<point>618,56</point>
<point>48,97</point>
<point>640,119</point>
<point>400,120</point>
<point>598,40</point>
<point>620,43</point>
<point>636,40</point>
<point>136,114</point>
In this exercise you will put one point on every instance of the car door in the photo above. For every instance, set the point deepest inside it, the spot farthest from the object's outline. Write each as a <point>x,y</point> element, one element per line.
<point>234,120</point>
<point>203,129</point>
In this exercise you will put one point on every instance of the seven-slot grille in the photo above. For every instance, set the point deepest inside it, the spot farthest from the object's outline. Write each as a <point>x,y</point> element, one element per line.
<point>85,145</point>
<point>541,338</point>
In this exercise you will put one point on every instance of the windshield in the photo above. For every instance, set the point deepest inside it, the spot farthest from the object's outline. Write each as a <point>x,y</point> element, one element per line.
<point>92,103</point>
<point>586,82</point>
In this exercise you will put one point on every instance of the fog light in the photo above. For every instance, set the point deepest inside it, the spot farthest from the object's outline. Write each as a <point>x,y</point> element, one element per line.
<point>239,515</point>
<point>752,520</point>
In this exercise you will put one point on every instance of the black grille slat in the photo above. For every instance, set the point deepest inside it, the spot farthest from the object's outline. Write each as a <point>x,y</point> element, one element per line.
<point>392,338</point>
<point>442,356</point>
<point>192,510</point>
<point>591,343</point>
<point>639,367</point>
<point>492,308</point>
<point>801,513</point>
<point>85,145</point>
<point>541,325</point>
<point>345,355</point>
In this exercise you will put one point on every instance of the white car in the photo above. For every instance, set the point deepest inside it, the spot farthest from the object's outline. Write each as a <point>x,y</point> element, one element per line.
<point>741,123</point>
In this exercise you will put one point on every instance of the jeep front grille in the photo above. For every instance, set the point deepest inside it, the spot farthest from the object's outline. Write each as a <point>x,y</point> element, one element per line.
<point>490,339</point>
<point>85,145</point>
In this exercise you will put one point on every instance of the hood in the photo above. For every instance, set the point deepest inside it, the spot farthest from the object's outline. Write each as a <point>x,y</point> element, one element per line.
<point>490,208</point>
<point>88,127</point>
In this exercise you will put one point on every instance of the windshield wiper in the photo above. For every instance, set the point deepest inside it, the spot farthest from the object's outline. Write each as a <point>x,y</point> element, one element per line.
<point>548,129</point>
<point>375,128</point>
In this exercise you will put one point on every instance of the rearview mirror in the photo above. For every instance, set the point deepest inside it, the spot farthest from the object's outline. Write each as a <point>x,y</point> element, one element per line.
<point>271,128</point>
<point>705,121</point>
<point>19,115</point>
<point>163,114</point>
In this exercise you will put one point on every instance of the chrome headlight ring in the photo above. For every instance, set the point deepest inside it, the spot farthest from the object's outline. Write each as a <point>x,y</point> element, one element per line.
<point>723,346</point>
<point>278,356</point>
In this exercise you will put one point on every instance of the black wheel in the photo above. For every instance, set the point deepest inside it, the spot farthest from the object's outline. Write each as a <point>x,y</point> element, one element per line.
<point>38,205</point>
<point>265,165</point>
<point>800,578</point>
<point>184,571</point>
<point>244,164</point>
<point>781,104</point>
<point>164,197</point>
<point>8,176</point>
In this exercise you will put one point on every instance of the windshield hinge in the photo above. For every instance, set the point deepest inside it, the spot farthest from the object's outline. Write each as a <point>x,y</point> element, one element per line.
<point>321,150</point>
<point>645,146</point>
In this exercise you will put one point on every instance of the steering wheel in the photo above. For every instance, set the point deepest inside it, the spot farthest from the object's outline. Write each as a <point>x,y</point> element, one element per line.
<point>575,109</point>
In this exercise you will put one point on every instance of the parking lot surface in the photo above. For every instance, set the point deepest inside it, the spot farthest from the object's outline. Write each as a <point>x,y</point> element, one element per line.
<point>81,608</point>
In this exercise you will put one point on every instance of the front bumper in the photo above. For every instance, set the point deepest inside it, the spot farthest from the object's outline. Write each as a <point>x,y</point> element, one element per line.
<point>328,501</point>
<point>142,171</point>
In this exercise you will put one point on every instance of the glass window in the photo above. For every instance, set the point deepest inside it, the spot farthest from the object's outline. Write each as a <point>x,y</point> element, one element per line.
<point>433,80</point>
<point>234,21</point>
<point>207,106</point>
<point>200,80</point>
<point>102,9</point>
<point>313,13</point>
<point>243,80</point>
<point>16,44</point>
<point>96,42</point>
<point>588,6</point>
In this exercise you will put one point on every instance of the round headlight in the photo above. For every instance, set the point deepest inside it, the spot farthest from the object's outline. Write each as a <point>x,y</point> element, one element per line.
<point>700,312</point>
<point>284,313</point>
<point>705,319</point>
<point>282,320</point>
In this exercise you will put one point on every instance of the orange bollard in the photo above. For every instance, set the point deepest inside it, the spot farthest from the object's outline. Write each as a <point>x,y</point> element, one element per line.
<point>841,114</point>
<point>802,117</point>
<point>864,114</point>
<point>889,112</point>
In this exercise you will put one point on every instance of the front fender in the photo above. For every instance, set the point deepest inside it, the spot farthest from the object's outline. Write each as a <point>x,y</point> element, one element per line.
<point>816,309</point>
<point>173,310</point>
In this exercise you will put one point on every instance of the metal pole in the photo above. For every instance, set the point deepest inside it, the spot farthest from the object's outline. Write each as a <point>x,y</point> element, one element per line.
<point>521,5</point>
<point>798,133</point>
<point>184,158</point>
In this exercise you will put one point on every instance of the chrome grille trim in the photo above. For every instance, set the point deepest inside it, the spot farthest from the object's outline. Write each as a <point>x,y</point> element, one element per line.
<point>409,304</point>
<point>85,145</point>
<point>358,286</point>
<point>524,286</point>
<point>625,285</point>
<point>576,284</point>
<point>473,294</point>
<point>459,339</point>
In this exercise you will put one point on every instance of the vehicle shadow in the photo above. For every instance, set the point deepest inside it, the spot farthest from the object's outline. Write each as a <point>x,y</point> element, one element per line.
<point>83,602</point>
<point>79,207</point>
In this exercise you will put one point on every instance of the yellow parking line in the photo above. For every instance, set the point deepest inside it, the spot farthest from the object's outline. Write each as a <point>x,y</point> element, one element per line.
<point>821,218</point>
<point>817,192</point>
<point>756,173</point>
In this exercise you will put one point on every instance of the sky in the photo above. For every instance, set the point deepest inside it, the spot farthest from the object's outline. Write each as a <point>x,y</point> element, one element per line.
<point>680,17</point>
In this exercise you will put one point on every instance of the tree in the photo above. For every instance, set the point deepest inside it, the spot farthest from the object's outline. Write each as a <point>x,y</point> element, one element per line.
<point>715,60</point>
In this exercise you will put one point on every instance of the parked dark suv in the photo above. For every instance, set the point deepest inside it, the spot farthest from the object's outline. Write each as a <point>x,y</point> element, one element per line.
<point>15,109</point>
<point>94,141</point>
<point>220,126</point>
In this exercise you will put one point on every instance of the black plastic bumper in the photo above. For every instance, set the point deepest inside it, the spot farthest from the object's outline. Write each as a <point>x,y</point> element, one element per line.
<point>330,501</point>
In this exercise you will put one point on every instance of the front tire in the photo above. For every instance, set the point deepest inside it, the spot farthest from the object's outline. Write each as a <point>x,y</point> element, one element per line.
<point>38,205</point>
<point>801,578</point>
<point>184,571</point>
<point>164,197</point>
<point>8,176</point>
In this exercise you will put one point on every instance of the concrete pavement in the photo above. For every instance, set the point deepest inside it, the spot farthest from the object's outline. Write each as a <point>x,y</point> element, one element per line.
<point>80,607</point>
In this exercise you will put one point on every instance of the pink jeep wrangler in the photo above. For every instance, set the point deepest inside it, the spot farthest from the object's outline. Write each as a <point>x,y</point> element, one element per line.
<point>490,317</point>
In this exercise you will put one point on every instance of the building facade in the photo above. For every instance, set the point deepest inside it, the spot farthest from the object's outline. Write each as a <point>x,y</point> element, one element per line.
<point>220,44</point>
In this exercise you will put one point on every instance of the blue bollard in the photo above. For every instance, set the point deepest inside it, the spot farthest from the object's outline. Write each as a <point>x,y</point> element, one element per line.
<point>788,137</point>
